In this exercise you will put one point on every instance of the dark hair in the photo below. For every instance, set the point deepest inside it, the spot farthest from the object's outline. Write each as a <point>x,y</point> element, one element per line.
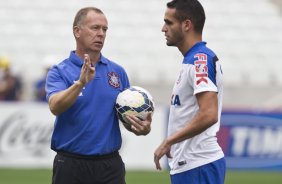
<point>189,9</point>
<point>81,14</point>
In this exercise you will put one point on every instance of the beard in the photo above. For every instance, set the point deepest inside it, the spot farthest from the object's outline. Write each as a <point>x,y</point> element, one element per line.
<point>175,39</point>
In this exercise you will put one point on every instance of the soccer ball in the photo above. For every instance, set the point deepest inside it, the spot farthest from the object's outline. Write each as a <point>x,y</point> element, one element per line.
<point>134,101</point>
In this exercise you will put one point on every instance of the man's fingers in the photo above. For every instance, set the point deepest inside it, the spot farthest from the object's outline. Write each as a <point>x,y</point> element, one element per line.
<point>86,58</point>
<point>134,125</point>
<point>87,72</point>
<point>139,127</point>
<point>158,166</point>
<point>149,117</point>
<point>157,163</point>
<point>133,120</point>
<point>87,61</point>
<point>133,128</point>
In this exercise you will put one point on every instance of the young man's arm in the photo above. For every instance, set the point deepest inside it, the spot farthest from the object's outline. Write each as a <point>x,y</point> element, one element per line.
<point>205,118</point>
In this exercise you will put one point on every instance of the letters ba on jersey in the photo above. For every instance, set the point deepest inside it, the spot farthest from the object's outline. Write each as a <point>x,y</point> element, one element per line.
<point>251,140</point>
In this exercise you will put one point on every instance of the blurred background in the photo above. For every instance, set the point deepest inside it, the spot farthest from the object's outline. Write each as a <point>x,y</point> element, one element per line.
<point>246,36</point>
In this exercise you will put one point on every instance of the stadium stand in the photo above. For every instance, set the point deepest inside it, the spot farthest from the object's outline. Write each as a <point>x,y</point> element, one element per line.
<point>278,3</point>
<point>246,35</point>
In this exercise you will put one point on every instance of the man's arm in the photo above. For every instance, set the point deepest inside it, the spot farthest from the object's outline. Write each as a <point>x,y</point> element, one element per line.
<point>61,101</point>
<point>205,118</point>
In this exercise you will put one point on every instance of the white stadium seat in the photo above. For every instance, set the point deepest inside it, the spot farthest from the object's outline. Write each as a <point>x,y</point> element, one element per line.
<point>246,36</point>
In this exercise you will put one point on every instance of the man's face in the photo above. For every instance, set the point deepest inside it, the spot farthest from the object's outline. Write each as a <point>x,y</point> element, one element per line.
<point>172,29</point>
<point>92,32</point>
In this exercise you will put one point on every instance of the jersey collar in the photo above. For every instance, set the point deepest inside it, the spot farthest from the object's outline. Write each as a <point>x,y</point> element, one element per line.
<point>196,46</point>
<point>78,61</point>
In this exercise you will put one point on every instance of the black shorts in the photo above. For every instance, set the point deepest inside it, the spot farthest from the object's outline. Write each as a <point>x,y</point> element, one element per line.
<point>75,169</point>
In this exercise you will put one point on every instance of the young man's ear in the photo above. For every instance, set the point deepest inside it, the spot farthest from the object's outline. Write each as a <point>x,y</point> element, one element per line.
<point>187,25</point>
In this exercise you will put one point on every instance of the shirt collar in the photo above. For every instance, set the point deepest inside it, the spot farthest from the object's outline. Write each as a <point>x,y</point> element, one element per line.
<point>196,46</point>
<point>79,62</point>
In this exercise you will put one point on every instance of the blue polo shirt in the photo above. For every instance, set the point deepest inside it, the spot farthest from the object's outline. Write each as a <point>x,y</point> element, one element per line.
<point>90,126</point>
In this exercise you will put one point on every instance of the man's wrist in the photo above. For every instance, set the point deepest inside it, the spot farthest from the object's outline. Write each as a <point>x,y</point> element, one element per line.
<point>169,141</point>
<point>79,83</point>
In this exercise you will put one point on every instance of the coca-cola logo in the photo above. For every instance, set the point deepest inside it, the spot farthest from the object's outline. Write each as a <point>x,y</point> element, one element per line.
<point>24,135</point>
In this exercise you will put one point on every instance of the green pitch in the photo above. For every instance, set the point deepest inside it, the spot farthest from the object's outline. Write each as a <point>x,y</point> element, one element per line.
<point>43,176</point>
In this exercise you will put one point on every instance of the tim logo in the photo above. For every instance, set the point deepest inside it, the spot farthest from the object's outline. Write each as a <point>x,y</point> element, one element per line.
<point>201,68</point>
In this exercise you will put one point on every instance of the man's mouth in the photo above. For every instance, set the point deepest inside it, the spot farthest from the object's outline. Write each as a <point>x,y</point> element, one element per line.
<point>99,42</point>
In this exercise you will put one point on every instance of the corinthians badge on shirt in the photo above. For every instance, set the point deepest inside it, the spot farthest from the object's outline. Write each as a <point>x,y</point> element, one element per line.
<point>114,79</point>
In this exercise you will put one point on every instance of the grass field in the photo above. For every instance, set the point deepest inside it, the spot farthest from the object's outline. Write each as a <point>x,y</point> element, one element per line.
<point>43,176</point>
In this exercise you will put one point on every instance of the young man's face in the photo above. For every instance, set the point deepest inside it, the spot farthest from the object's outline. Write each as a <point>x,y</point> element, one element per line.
<point>92,31</point>
<point>172,28</point>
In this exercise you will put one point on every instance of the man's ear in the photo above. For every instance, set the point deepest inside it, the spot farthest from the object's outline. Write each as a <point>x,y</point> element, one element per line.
<point>187,25</point>
<point>76,32</point>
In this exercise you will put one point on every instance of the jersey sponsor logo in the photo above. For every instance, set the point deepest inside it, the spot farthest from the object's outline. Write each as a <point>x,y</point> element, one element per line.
<point>251,140</point>
<point>201,68</point>
<point>175,100</point>
<point>114,79</point>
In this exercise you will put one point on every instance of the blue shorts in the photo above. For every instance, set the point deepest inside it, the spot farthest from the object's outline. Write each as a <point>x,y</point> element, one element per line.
<point>212,173</point>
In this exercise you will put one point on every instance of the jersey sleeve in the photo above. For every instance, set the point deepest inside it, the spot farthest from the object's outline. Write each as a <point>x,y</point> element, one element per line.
<point>124,80</point>
<point>204,74</point>
<point>54,82</point>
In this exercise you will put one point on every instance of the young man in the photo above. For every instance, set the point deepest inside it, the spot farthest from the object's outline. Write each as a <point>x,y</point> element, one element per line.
<point>191,145</point>
<point>81,92</point>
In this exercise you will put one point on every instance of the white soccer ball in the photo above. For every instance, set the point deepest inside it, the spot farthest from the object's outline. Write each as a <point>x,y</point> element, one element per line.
<point>134,101</point>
